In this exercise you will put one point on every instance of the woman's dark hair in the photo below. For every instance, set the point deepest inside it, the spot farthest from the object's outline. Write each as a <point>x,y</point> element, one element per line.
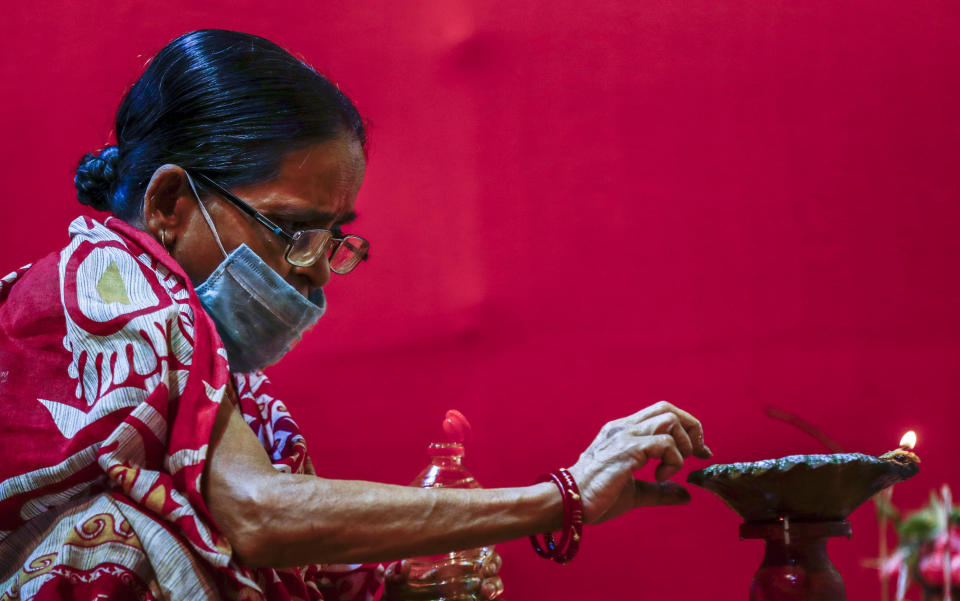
<point>226,103</point>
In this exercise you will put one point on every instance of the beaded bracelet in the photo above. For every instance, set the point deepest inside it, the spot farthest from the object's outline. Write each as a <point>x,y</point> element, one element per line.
<point>564,550</point>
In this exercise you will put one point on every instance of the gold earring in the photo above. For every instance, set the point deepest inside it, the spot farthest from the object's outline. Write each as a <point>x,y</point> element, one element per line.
<point>163,238</point>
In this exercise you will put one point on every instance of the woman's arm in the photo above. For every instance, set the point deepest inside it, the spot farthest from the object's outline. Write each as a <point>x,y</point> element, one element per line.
<point>274,519</point>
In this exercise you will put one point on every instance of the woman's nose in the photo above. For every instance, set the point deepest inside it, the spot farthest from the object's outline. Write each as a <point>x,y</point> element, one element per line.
<point>317,274</point>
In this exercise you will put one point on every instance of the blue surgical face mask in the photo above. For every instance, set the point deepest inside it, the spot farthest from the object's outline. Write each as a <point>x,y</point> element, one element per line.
<point>258,315</point>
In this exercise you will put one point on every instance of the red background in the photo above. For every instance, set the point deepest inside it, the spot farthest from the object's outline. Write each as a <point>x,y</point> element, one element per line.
<point>580,208</point>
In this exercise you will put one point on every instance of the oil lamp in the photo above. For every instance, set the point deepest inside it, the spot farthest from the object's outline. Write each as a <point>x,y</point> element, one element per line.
<point>795,504</point>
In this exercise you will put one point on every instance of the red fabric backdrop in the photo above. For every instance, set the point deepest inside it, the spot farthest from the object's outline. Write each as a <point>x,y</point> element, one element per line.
<point>579,208</point>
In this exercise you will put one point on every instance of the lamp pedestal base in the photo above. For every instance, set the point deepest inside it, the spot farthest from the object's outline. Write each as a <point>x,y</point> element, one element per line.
<point>795,565</point>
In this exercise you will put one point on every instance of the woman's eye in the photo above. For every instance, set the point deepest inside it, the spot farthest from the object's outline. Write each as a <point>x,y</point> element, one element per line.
<point>296,226</point>
<point>291,226</point>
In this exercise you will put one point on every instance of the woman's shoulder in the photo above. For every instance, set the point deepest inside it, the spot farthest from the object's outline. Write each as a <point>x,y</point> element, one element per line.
<point>109,278</point>
<point>123,303</point>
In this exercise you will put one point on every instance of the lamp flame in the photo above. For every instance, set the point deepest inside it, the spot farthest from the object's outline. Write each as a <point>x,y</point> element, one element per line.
<point>909,440</point>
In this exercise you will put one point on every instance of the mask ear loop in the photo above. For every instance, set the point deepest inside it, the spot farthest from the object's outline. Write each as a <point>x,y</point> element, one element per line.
<point>206,215</point>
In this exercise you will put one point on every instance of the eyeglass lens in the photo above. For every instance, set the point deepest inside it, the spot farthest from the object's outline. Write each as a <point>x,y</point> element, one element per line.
<point>311,243</point>
<point>348,254</point>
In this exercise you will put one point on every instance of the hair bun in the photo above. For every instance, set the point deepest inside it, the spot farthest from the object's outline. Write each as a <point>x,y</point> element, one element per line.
<point>95,177</point>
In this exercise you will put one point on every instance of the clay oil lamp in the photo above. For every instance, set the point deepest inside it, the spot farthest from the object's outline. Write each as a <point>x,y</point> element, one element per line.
<point>795,504</point>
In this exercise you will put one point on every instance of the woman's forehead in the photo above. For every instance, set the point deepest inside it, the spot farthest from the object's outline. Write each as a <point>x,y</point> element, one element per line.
<point>316,183</point>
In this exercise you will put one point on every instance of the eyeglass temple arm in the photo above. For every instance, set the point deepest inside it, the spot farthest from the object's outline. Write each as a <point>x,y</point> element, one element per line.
<point>260,217</point>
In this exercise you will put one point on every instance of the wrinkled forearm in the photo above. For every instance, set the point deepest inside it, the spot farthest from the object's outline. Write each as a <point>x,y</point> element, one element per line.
<point>304,519</point>
<point>278,519</point>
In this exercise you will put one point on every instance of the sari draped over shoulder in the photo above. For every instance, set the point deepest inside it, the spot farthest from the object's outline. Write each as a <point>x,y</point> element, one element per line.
<point>111,375</point>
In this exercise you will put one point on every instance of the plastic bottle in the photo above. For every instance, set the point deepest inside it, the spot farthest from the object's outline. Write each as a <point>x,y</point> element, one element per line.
<point>454,576</point>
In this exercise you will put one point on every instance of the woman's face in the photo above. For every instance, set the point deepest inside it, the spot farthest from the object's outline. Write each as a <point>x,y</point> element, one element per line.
<point>316,188</point>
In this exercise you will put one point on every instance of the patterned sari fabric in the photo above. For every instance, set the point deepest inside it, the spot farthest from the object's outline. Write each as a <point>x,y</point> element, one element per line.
<point>111,375</point>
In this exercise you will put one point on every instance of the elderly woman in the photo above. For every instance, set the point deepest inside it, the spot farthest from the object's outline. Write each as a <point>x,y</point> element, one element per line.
<point>144,456</point>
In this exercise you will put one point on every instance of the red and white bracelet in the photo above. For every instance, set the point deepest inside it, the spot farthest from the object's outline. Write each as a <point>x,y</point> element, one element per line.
<point>564,550</point>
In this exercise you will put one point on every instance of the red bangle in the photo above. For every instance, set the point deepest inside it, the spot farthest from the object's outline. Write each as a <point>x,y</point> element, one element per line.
<point>564,550</point>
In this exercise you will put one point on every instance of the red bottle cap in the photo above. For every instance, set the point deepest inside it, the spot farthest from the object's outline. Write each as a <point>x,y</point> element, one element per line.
<point>456,426</point>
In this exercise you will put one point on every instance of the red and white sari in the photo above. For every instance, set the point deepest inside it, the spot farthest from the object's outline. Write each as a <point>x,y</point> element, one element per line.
<point>111,375</point>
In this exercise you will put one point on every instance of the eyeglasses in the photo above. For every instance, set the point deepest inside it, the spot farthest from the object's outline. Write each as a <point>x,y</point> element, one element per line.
<point>304,247</point>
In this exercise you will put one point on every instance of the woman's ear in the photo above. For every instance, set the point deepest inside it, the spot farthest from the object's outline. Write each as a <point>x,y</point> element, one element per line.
<point>168,203</point>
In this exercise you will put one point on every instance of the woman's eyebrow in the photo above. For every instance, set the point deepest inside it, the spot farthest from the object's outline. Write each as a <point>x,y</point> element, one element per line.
<point>313,216</point>
<point>346,218</point>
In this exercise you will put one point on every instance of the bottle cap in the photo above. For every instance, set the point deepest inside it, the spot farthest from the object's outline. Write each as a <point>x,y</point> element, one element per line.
<point>456,427</point>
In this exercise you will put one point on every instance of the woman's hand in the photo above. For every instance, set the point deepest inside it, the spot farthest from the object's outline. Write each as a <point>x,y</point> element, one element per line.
<point>397,580</point>
<point>491,587</point>
<point>604,472</point>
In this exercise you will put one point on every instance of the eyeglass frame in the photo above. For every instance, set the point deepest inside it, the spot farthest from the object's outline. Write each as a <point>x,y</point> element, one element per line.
<point>289,238</point>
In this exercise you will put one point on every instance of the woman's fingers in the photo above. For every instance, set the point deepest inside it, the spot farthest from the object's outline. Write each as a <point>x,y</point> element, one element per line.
<point>664,447</point>
<point>689,423</point>
<point>491,564</point>
<point>658,446</point>
<point>684,444</point>
<point>492,587</point>
<point>661,493</point>
<point>667,423</point>
<point>668,466</point>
